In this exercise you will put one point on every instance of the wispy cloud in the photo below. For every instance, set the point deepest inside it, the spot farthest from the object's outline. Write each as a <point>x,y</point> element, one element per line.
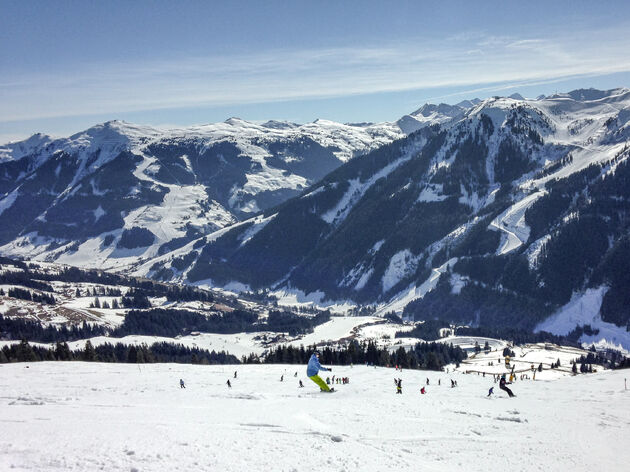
<point>466,60</point>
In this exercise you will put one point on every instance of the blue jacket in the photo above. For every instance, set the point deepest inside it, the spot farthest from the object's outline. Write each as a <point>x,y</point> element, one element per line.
<point>314,366</point>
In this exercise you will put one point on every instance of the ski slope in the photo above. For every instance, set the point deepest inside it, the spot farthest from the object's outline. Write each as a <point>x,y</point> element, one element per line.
<point>73,416</point>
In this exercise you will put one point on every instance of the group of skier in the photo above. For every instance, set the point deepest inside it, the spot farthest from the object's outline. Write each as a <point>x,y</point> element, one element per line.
<point>314,367</point>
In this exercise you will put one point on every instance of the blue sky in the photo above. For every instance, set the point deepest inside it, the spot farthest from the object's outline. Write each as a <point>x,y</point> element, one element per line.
<point>67,65</point>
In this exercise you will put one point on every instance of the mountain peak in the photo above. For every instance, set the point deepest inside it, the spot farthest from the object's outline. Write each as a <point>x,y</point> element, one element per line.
<point>235,121</point>
<point>468,103</point>
<point>275,124</point>
<point>591,94</point>
<point>429,109</point>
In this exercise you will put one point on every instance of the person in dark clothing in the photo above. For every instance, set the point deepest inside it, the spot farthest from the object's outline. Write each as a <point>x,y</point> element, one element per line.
<point>181,383</point>
<point>502,386</point>
<point>491,391</point>
<point>234,374</point>
<point>229,384</point>
<point>398,385</point>
<point>301,384</point>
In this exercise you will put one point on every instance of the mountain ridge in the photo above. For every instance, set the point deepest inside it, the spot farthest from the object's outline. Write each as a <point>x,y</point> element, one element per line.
<point>506,184</point>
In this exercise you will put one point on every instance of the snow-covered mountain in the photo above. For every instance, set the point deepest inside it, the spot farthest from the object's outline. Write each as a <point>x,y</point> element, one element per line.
<point>129,191</point>
<point>503,213</point>
<point>501,217</point>
<point>430,114</point>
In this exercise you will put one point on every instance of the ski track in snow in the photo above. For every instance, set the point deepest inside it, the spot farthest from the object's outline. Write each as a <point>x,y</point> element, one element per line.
<point>512,223</point>
<point>71,416</point>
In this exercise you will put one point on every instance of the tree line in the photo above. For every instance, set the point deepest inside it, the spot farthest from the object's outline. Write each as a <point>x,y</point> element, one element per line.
<point>18,329</point>
<point>119,353</point>
<point>426,356</point>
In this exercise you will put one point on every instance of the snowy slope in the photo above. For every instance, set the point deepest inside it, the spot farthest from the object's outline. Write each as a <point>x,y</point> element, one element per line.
<point>88,417</point>
<point>584,309</point>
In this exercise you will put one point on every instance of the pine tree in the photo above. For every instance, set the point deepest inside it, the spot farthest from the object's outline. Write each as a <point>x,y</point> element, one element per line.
<point>24,352</point>
<point>89,354</point>
<point>63,352</point>
<point>132,355</point>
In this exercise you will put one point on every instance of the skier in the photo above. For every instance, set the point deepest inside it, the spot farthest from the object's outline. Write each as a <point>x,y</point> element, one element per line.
<point>301,384</point>
<point>491,391</point>
<point>313,368</point>
<point>181,383</point>
<point>423,391</point>
<point>281,377</point>
<point>502,386</point>
<point>229,384</point>
<point>398,386</point>
<point>234,374</point>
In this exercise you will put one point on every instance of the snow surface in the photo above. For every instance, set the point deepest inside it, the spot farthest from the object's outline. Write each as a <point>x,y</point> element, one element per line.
<point>402,264</point>
<point>398,303</point>
<point>512,223</point>
<point>73,416</point>
<point>335,329</point>
<point>297,298</point>
<point>583,309</point>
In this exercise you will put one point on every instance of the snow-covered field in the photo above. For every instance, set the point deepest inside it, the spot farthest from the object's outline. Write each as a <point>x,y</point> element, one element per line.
<point>83,417</point>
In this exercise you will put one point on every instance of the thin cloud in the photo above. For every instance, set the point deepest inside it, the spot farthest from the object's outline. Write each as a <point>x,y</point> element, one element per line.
<point>464,60</point>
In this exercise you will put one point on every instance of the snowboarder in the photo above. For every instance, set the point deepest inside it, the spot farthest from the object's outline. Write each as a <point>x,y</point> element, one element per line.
<point>398,386</point>
<point>229,384</point>
<point>313,368</point>
<point>502,386</point>
<point>181,383</point>
<point>491,391</point>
